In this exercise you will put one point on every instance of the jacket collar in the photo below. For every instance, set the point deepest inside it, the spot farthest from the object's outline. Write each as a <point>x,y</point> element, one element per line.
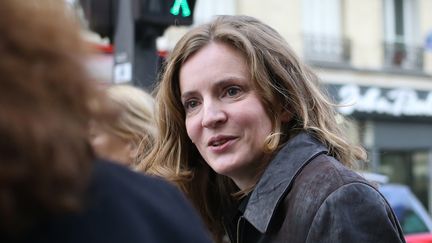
<point>278,177</point>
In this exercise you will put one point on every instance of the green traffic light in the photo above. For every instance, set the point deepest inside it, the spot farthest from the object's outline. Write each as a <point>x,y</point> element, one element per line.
<point>183,4</point>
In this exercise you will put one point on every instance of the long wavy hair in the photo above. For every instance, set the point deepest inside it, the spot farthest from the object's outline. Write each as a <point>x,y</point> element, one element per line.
<point>46,102</point>
<point>284,84</point>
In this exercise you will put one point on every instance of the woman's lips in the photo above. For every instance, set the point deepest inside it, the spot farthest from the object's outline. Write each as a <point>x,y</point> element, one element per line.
<point>221,144</point>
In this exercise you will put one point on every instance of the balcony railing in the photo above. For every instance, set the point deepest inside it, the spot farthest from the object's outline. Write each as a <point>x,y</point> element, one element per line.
<point>326,49</point>
<point>402,56</point>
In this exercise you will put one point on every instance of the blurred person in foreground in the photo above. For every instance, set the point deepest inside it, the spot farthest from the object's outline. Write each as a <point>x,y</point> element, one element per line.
<point>247,134</point>
<point>51,187</point>
<point>129,137</point>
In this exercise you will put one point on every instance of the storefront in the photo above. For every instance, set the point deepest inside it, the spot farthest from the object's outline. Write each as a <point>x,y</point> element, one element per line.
<point>395,126</point>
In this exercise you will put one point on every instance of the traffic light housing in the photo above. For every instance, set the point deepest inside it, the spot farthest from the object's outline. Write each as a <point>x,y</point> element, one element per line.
<point>166,12</point>
<point>155,14</point>
<point>133,26</point>
<point>100,16</point>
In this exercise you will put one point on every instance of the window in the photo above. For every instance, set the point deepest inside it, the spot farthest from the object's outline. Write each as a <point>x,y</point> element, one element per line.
<point>323,41</point>
<point>402,45</point>
<point>408,168</point>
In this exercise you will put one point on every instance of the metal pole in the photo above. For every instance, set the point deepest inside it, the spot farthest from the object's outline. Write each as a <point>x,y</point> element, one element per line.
<point>124,40</point>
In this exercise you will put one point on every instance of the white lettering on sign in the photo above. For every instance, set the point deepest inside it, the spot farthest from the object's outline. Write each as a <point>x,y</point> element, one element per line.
<point>123,72</point>
<point>395,102</point>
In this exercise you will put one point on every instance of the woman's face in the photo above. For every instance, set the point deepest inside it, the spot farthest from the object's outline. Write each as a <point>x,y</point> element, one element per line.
<point>109,146</point>
<point>225,118</point>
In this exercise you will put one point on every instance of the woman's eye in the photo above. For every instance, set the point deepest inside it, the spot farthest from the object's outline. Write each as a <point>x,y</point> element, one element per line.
<point>233,91</point>
<point>190,104</point>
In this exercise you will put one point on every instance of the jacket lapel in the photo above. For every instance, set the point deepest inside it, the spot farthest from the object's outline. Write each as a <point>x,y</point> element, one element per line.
<point>278,177</point>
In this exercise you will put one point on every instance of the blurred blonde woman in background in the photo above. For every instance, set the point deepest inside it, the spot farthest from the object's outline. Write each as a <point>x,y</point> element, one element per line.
<point>129,137</point>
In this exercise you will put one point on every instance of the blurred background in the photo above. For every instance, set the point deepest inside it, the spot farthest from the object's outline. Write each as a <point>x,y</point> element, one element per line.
<point>373,56</point>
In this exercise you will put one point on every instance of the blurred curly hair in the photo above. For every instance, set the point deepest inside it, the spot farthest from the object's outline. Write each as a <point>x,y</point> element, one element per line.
<point>46,102</point>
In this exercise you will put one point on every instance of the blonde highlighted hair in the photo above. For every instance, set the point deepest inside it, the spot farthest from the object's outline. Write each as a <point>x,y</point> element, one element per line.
<point>285,85</point>
<point>135,122</point>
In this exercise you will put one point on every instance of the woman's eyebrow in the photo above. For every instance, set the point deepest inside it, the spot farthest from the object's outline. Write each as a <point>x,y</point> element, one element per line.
<point>216,85</point>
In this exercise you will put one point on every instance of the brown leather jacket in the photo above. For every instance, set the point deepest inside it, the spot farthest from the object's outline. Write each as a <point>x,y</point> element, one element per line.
<point>307,196</point>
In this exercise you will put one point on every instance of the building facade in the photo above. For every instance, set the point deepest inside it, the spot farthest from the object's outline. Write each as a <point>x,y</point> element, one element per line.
<point>375,59</point>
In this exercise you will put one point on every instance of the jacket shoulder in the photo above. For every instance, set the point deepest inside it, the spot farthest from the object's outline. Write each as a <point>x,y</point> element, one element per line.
<point>344,207</point>
<point>145,207</point>
<point>125,206</point>
<point>333,170</point>
<point>355,212</point>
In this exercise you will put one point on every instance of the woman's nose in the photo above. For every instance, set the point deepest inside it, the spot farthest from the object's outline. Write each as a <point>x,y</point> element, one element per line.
<point>213,115</point>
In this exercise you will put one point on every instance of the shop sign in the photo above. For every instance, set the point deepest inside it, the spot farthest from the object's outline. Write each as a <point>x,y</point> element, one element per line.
<point>394,102</point>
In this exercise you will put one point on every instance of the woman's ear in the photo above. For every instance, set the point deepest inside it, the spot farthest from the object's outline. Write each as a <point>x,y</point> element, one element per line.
<point>132,151</point>
<point>286,116</point>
